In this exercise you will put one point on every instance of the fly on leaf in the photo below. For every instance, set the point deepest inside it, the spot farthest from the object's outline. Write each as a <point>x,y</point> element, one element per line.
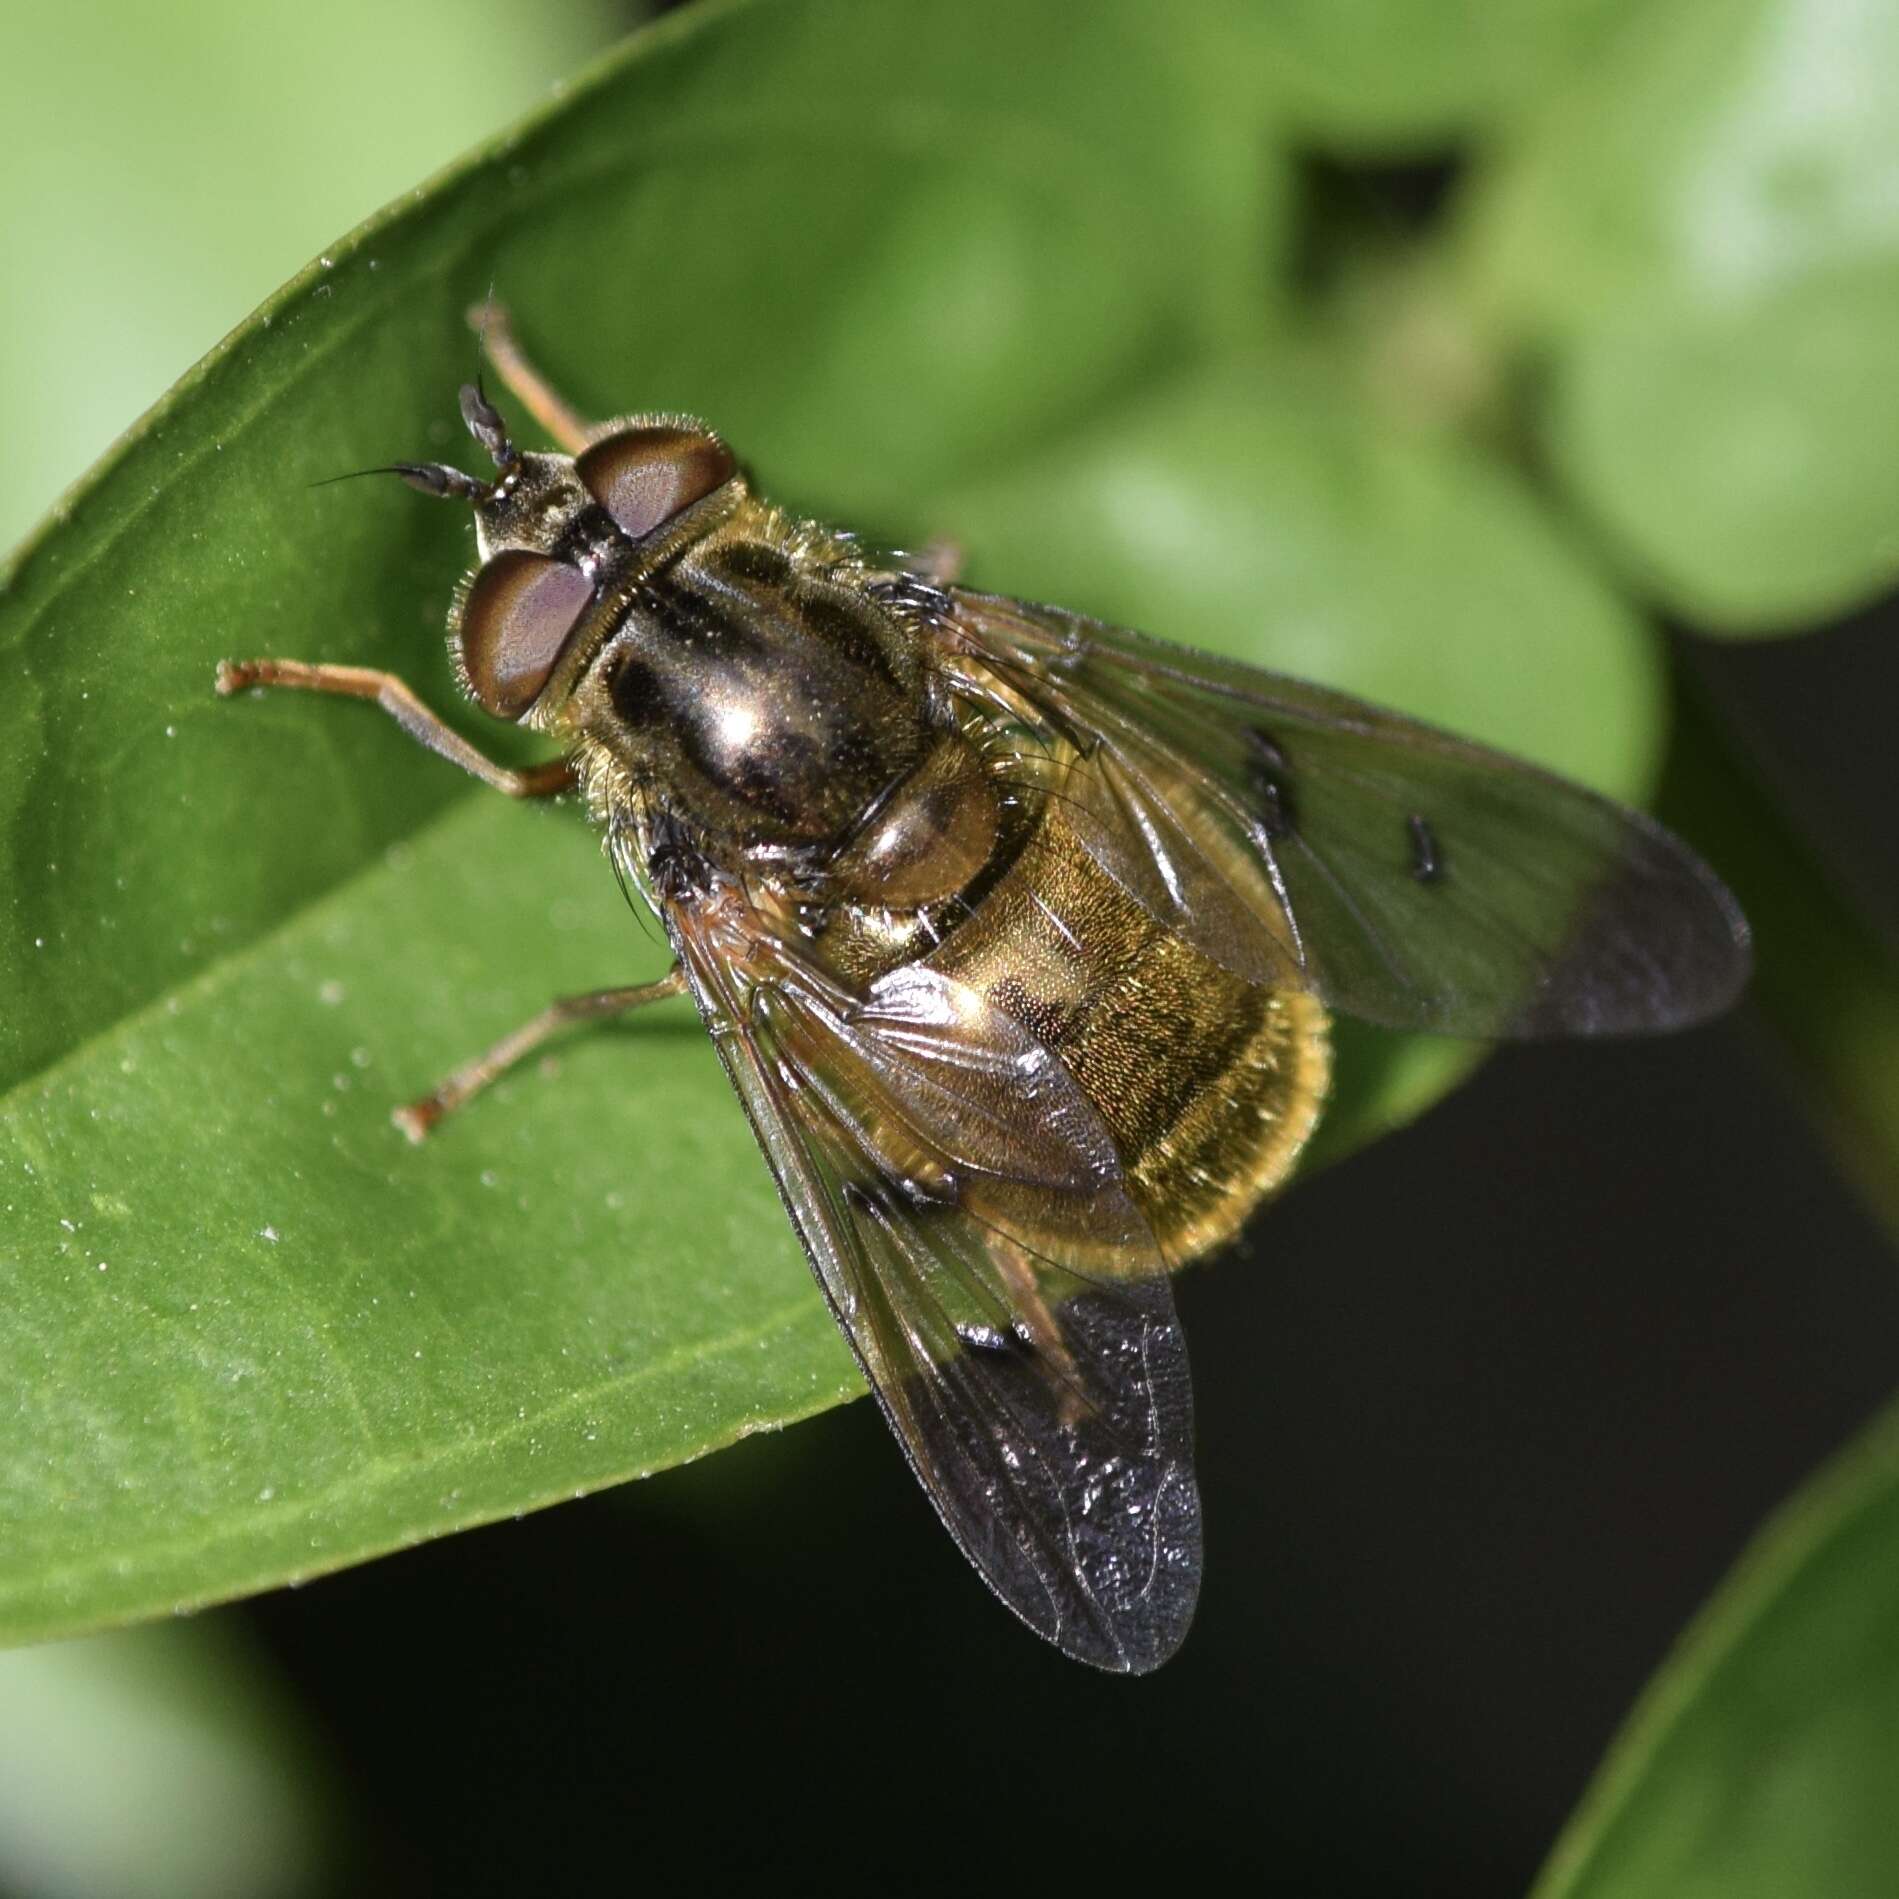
<point>1017,934</point>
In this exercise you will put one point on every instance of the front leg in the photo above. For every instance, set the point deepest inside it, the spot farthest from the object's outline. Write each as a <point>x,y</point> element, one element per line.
<point>398,700</point>
<point>570,430</point>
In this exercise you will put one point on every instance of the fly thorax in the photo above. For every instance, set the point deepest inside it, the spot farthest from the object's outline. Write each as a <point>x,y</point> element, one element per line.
<point>770,716</point>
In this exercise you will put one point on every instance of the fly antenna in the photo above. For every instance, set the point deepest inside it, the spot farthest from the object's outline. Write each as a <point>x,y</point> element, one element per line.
<point>429,478</point>
<point>482,417</point>
<point>484,423</point>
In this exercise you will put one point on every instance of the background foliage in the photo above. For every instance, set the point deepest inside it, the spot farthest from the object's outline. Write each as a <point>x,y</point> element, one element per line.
<point>1153,323</point>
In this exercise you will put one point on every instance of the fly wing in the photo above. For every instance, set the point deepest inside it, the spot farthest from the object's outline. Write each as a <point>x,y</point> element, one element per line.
<point>1403,875</point>
<point>965,1214</point>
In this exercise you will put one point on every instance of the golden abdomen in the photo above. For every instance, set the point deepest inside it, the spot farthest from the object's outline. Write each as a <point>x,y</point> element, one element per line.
<point>1209,1084</point>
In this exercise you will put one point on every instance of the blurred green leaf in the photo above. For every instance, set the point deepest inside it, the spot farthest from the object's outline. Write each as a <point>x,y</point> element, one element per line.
<point>1256,507</point>
<point>258,1336</point>
<point>161,1763</point>
<point>1702,239</point>
<point>1747,463</point>
<point>135,234</point>
<point>1762,1759</point>
<point>1391,75</point>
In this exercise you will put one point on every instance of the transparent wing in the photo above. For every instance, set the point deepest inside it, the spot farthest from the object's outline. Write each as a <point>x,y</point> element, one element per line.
<point>1403,875</point>
<point>964,1211</point>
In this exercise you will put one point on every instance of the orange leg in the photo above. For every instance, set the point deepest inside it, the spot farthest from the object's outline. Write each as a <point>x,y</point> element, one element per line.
<point>416,1119</point>
<point>399,701</point>
<point>530,388</point>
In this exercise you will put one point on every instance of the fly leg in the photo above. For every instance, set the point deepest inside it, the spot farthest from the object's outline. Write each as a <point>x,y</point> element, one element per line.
<point>418,1117</point>
<point>1035,1325</point>
<point>399,701</point>
<point>529,387</point>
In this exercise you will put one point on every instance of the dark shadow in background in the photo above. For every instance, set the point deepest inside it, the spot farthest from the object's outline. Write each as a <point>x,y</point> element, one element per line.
<point>1483,1416</point>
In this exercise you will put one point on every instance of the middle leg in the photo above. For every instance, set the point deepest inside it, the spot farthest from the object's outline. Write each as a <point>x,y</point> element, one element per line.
<point>418,1117</point>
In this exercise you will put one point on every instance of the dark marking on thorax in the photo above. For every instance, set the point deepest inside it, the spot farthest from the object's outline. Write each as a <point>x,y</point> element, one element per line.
<point>751,563</point>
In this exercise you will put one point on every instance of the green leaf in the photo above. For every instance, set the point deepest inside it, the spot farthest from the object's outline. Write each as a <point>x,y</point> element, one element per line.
<point>1746,462</point>
<point>1761,1761</point>
<point>1704,244</point>
<point>1385,75</point>
<point>262,1336</point>
<point>1258,508</point>
<point>1702,241</point>
<point>258,1336</point>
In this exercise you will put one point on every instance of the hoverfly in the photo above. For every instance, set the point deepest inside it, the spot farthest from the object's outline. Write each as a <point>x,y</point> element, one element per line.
<point>1017,935</point>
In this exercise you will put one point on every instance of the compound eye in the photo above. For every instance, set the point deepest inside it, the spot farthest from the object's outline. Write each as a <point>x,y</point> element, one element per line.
<point>514,623</point>
<point>644,476</point>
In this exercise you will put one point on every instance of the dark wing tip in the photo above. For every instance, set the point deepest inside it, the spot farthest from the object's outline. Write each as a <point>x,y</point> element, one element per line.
<point>1104,1562</point>
<point>1125,1631</point>
<point>1661,944</point>
<point>1149,1634</point>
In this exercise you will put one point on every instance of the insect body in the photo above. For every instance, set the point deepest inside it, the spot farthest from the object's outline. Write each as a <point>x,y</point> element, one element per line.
<point>1016,934</point>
